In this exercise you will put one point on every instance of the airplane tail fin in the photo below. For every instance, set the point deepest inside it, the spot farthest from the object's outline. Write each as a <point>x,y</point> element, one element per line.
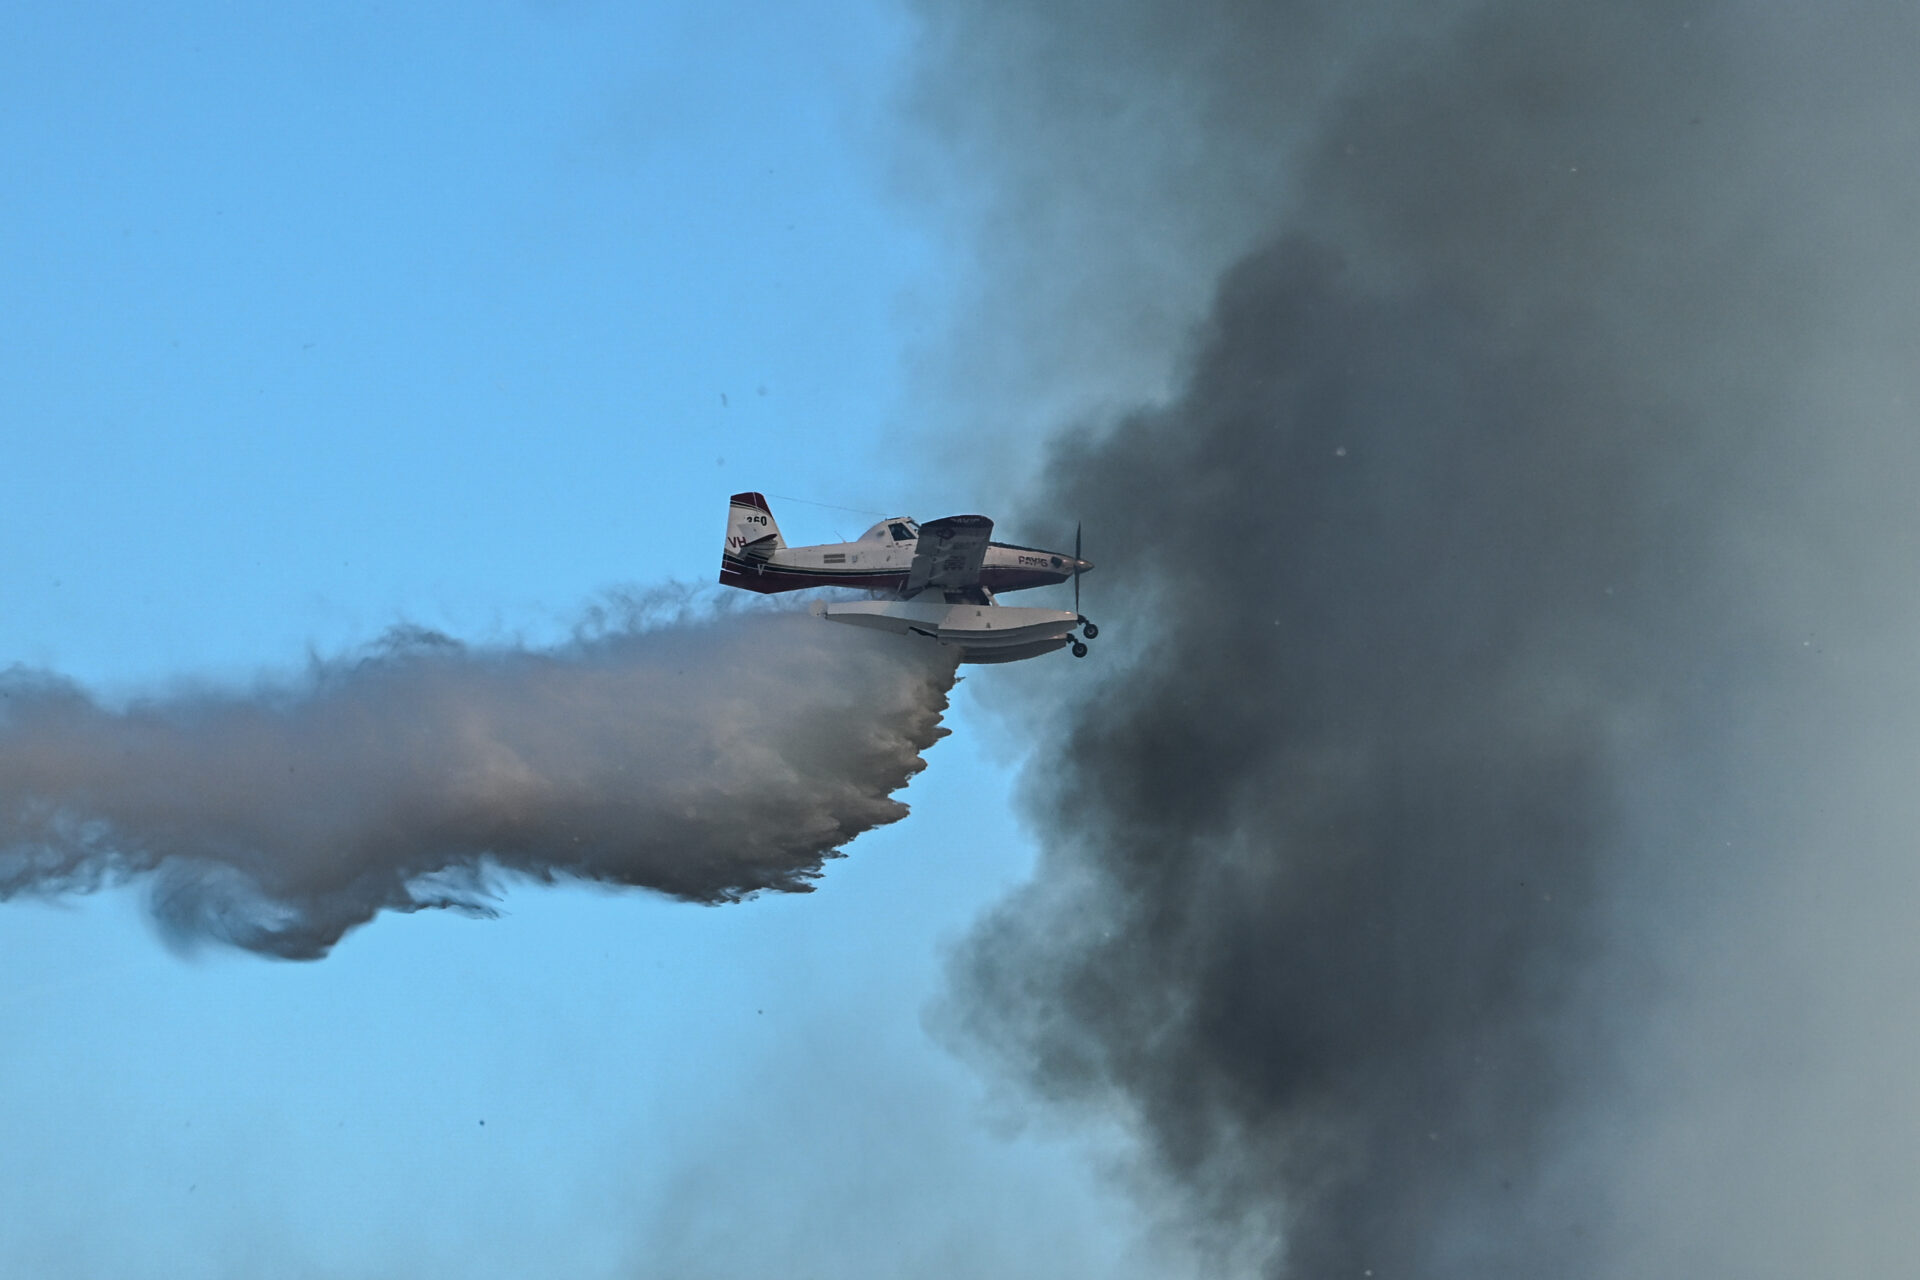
<point>752,537</point>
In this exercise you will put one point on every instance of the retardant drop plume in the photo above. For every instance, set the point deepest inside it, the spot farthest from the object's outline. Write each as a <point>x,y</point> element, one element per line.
<point>1460,719</point>
<point>706,758</point>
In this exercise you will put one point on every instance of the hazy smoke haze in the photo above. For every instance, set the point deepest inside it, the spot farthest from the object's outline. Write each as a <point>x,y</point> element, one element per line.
<point>1457,856</point>
<point>706,757</point>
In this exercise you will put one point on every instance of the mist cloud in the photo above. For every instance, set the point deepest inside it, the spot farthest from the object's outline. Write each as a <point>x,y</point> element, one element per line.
<point>704,757</point>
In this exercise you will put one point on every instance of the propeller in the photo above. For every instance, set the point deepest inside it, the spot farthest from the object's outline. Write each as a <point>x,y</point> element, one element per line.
<point>1087,630</point>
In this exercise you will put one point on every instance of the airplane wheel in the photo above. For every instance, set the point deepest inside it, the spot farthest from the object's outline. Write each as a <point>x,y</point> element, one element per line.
<point>1088,630</point>
<point>1079,650</point>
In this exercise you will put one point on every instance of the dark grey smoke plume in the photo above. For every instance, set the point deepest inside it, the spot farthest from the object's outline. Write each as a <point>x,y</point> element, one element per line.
<point>708,758</point>
<point>1512,466</point>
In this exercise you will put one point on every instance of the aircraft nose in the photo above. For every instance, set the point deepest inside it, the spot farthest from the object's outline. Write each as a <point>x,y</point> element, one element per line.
<point>1081,566</point>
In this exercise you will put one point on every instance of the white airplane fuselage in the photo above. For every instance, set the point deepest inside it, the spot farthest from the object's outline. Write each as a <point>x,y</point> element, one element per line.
<point>941,579</point>
<point>881,563</point>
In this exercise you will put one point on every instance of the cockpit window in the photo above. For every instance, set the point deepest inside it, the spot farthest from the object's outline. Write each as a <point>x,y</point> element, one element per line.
<point>899,531</point>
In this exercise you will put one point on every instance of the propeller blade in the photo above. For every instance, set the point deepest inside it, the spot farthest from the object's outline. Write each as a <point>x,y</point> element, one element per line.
<point>1076,567</point>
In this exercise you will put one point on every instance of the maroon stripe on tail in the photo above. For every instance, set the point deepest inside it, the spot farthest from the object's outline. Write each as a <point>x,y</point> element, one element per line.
<point>758,501</point>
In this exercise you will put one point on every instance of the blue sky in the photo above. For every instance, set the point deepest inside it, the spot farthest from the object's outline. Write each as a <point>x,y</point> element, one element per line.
<point>321,318</point>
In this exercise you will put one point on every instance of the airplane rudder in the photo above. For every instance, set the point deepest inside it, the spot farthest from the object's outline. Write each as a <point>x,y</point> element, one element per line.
<point>750,520</point>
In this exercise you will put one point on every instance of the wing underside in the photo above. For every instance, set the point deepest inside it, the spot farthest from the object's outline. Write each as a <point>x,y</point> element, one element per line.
<point>949,555</point>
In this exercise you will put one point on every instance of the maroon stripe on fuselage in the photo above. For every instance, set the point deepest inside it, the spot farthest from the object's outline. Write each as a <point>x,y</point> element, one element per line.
<point>1017,579</point>
<point>768,579</point>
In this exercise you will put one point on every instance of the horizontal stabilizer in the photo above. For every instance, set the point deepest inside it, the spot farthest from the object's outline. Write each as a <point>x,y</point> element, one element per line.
<point>752,538</point>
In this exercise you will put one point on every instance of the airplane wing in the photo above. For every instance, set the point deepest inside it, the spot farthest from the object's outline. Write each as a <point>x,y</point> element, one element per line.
<point>949,555</point>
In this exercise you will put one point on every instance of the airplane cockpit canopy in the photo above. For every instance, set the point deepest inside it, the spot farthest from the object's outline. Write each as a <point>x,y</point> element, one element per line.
<point>892,529</point>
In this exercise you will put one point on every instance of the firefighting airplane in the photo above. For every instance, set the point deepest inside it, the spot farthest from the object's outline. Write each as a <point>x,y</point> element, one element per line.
<point>936,579</point>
